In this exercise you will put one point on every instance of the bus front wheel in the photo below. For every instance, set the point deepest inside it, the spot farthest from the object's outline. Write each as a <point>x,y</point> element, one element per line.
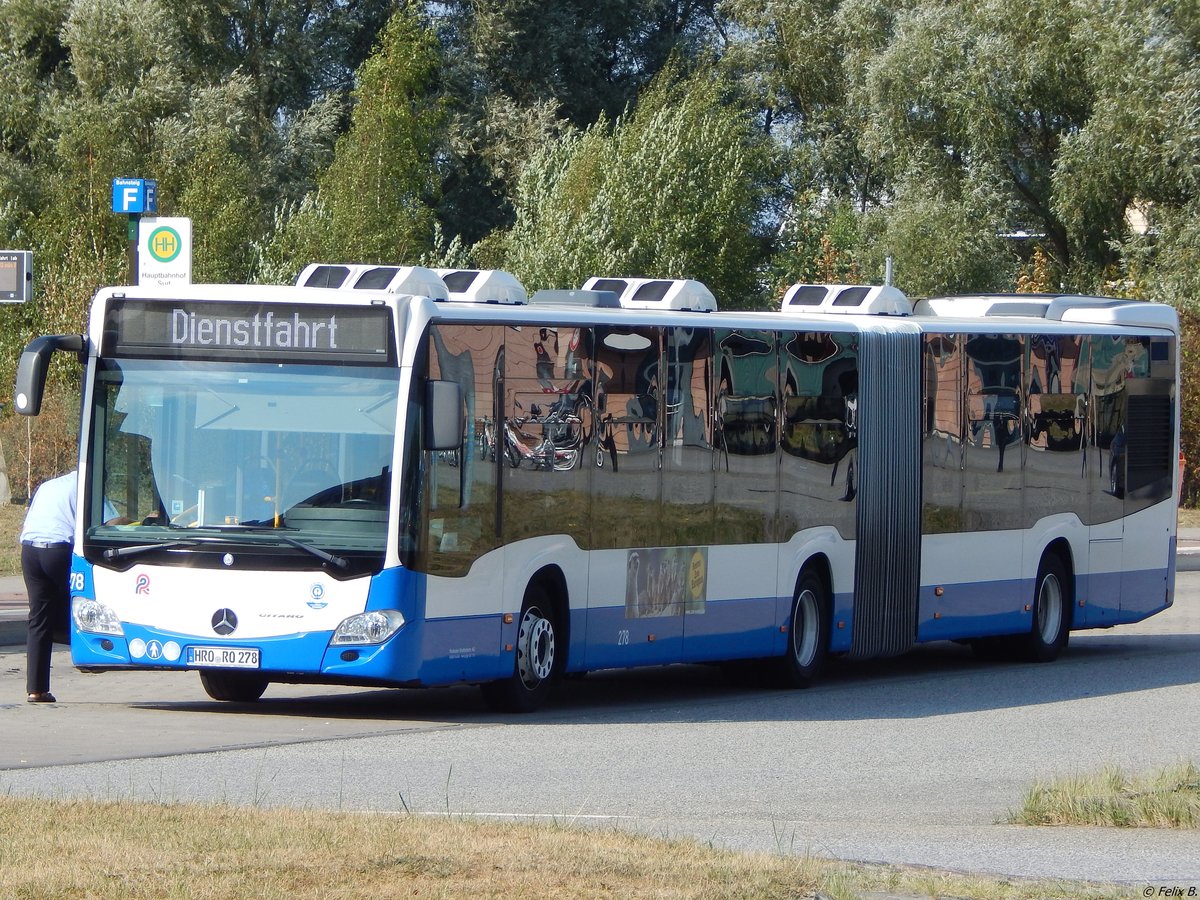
<point>537,665</point>
<point>236,687</point>
<point>808,633</point>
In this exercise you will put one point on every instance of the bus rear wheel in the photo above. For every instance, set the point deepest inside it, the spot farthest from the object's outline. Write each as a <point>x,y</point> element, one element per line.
<point>538,663</point>
<point>235,687</point>
<point>1051,613</point>
<point>808,634</point>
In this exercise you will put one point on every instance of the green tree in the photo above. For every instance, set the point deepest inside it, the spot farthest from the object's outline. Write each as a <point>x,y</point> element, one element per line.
<point>519,70</point>
<point>375,201</point>
<point>103,96</point>
<point>297,56</point>
<point>973,101</point>
<point>673,190</point>
<point>1141,144</point>
<point>941,242</point>
<point>588,58</point>
<point>799,60</point>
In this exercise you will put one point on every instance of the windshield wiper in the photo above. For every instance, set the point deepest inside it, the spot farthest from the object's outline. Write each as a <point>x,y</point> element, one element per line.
<point>337,561</point>
<point>260,528</point>
<point>138,549</point>
<point>256,527</point>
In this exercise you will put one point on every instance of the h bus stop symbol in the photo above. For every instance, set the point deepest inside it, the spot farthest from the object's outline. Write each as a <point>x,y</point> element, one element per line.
<point>164,244</point>
<point>134,196</point>
<point>164,257</point>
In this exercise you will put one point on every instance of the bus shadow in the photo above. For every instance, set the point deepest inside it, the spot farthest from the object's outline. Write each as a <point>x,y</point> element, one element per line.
<point>931,680</point>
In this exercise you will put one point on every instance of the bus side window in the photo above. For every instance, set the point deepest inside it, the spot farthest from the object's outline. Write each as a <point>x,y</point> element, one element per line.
<point>546,424</point>
<point>820,411</point>
<point>459,485</point>
<point>746,433</point>
<point>626,459</point>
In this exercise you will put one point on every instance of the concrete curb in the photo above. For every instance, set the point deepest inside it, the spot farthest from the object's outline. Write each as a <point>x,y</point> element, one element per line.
<point>13,621</point>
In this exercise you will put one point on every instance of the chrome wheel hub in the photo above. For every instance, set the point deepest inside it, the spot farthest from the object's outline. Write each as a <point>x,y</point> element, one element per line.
<point>1049,609</point>
<point>535,649</point>
<point>804,629</point>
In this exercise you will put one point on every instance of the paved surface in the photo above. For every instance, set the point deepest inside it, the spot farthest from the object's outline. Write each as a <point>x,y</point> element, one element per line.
<point>907,761</point>
<point>914,760</point>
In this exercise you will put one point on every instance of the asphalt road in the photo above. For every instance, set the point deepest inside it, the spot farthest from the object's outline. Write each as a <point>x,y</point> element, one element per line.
<point>913,760</point>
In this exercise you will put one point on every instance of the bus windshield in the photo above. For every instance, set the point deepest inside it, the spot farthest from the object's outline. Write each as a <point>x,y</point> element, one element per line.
<point>278,456</point>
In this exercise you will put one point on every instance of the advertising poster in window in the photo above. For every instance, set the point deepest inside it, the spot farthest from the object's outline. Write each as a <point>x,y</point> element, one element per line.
<point>666,581</point>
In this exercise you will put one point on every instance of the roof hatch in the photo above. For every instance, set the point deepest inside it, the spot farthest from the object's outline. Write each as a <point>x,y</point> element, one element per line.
<point>846,299</point>
<point>483,286</point>
<point>656,293</point>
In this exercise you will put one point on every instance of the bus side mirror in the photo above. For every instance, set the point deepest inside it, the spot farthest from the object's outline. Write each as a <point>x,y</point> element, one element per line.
<point>444,418</point>
<point>31,370</point>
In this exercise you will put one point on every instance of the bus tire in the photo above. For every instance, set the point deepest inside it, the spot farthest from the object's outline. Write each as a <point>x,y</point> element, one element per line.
<point>234,687</point>
<point>538,664</point>
<point>808,633</point>
<point>1051,613</point>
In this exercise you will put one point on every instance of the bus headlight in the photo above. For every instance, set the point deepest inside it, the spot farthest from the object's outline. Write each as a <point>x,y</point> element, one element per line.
<point>95,617</point>
<point>373,627</point>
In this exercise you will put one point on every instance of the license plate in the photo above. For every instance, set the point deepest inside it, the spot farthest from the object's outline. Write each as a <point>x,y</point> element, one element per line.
<point>224,657</point>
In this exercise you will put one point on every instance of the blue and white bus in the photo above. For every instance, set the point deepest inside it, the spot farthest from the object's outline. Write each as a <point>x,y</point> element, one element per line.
<point>382,481</point>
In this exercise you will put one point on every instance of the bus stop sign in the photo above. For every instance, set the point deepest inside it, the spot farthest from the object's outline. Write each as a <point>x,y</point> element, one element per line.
<point>164,251</point>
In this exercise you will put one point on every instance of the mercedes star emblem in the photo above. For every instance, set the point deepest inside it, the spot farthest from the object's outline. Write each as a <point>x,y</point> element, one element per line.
<point>224,621</point>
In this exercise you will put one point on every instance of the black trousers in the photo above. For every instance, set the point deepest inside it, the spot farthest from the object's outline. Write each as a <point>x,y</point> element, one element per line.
<point>47,572</point>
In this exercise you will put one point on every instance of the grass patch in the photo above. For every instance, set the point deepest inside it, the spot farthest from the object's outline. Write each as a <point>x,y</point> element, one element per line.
<point>12,517</point>
<point>1189,518</point>
<point>79,848</point>
<point>1169,798</point>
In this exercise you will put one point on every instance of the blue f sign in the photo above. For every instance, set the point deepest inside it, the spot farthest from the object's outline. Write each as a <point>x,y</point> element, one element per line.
<point>134,195</point>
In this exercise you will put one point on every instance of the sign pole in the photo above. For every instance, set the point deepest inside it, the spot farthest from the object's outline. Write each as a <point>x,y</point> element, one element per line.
<point>133,197</point>
<point>131,252</point>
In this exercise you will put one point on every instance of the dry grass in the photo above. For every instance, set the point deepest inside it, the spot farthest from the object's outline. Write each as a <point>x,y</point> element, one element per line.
<point>130,850</point>
<point>12,516</point>
<point>1189,518</point>
<point>1169,798</point>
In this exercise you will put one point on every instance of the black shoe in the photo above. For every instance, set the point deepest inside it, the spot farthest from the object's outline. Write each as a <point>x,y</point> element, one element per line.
<point>41,697</point>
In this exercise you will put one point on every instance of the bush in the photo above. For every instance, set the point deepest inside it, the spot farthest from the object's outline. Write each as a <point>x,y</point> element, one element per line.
<point>36,448</point>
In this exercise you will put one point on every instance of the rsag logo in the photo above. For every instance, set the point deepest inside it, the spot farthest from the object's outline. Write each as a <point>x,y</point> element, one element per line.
<point>317,592</point>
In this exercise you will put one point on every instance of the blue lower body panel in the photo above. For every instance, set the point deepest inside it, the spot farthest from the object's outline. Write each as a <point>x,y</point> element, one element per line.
<point>401,660</point>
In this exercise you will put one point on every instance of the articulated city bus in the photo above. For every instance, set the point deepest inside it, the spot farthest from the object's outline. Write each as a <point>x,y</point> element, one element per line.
<point>373,479</point>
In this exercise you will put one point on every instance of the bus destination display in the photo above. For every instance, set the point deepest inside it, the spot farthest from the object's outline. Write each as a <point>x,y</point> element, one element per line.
<point>212,330</point>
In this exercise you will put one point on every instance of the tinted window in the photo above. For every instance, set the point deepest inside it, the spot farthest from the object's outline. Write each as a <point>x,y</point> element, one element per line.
<point>459,486</point>
<point>942,445</point>
<point>820,431</point>
<point>746,434</point>
<point>625,483</point>
<point>546,431</point>
<point>688,449</point>
<point>992,478</point>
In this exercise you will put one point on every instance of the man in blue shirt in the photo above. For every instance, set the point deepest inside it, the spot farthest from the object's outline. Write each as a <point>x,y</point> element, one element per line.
<point>46,542</point>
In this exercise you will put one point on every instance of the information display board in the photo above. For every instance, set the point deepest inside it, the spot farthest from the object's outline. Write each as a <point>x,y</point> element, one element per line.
<point>16,276</point>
